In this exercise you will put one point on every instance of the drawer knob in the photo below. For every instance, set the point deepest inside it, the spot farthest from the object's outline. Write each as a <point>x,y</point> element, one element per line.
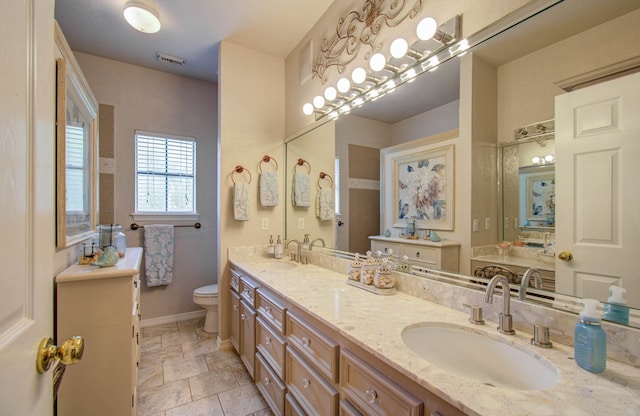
<point>306,341</point>
<point>267,340</point>
<point>243,316</point>
<point>235,307</point>
<point>306,382</point>
<point>268,310</point>
<point>371,396</point>
<point>266,381</point>
<point>417,254</point>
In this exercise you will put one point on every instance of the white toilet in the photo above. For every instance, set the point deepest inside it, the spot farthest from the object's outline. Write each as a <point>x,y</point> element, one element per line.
<point>207,297</point>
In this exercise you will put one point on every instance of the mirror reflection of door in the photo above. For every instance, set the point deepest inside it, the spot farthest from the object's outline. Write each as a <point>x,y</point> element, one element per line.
<point>364,196</point>
<point>597,148</point>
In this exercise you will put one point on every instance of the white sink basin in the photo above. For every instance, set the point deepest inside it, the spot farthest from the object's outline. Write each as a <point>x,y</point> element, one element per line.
<point>479,357</point>
<point>276,266</point>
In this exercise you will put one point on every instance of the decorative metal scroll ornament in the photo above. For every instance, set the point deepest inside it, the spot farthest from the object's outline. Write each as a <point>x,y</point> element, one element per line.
<point>361,28</point>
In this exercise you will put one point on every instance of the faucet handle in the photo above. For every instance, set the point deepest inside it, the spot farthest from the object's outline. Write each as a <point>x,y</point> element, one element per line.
<point>475,314</point>
<point>541,336</point>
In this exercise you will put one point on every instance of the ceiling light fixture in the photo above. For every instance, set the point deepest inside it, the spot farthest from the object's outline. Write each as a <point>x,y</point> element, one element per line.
<point>142,16</point>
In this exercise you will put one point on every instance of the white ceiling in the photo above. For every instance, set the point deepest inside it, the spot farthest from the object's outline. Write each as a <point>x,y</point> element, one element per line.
<point>191,29</point>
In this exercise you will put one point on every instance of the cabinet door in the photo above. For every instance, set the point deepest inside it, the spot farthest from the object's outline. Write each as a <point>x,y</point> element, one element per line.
<point>248,337</point>
<point>385,246</point>
<point>271,345</point>
<point>314,394</point>
<point>235,320</point>
<point>429,256</point>
<point>270,386</point>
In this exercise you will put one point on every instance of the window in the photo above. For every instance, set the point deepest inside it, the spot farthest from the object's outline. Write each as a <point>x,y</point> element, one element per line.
<point>165,173</point>
<point>77,155</point>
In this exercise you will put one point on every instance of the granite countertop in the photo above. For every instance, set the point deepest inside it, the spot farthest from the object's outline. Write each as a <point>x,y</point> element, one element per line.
<point>527,262</point>
<point>376,322</point>
<point>418,241</point>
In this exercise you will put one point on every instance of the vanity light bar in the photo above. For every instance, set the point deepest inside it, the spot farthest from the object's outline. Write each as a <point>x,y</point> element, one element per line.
<point>437,43</point>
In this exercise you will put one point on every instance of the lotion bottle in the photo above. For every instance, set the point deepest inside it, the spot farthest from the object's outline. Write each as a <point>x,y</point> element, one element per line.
<point>271,248</point>
<point>279,251</point>
<point>616,310</point>
<point>590,340</point>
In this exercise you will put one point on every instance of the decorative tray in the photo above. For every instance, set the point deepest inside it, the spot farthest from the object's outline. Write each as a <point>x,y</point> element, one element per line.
<point>372,289</point>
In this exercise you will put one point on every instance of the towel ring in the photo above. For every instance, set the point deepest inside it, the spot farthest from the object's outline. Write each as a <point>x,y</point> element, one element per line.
<point>240,169</point>
<point>267,159</point>
<point>302,162</point>
<point>325,176</point>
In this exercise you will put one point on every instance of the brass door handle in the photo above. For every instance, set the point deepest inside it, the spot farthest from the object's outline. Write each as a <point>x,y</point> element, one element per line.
<point>70,352</point>
<point>565,255</point>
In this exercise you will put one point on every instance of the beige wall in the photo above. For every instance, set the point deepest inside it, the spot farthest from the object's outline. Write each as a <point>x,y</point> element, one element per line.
<point>251,102</point>
<point>156,101</point>
<point>437,120</point>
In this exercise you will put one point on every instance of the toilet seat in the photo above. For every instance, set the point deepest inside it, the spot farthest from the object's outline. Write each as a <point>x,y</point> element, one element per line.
<point>209,290</point>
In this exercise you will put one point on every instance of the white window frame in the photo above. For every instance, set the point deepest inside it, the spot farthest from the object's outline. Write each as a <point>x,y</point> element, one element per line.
<point>165,215</point>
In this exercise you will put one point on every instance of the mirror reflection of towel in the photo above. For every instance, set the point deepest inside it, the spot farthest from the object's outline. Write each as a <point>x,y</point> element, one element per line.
<point>241,202</point>
<point>301,190</point>
<point>269,189</point>
<point>324,204</point>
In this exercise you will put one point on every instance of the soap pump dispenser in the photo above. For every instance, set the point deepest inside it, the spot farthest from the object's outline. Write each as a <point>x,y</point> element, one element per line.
<point>616,310</point>
<point>590,340</point>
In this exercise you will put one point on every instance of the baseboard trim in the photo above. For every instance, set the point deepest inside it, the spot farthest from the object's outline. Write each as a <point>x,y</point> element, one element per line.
<point>172,318</point>
<point>224,345</point>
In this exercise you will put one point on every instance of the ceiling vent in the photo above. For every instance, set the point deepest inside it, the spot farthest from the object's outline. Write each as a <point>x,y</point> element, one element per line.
<point>168,59</point>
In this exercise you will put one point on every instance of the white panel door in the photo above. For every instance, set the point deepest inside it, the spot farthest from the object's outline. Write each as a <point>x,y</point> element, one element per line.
<point>26,203</point>
<point>598,190</point>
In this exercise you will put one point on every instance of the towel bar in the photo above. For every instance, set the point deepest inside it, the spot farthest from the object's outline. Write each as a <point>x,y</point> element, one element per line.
<point>135,226</point>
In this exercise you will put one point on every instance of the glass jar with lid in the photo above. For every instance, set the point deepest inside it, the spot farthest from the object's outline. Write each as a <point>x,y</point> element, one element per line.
<point>112,235</point>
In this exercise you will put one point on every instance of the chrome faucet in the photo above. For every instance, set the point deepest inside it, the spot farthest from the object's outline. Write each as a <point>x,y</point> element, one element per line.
<point>294,256</point>
<point>505,324</point>
<point>314,241</point>
<point>524,284</point>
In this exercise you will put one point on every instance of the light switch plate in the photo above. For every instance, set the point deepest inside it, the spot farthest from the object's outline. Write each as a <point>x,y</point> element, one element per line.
<point>487,223</point>
<point>475,225</point>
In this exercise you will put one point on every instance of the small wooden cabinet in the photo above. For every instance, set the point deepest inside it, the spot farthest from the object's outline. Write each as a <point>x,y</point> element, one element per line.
<point>442,255</point>
<point>102,305</point>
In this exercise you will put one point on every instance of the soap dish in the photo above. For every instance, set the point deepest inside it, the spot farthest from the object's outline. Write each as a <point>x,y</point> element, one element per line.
<point>372,289</point>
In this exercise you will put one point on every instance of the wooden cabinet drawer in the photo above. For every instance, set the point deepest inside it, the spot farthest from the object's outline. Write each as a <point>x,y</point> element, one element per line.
<point>291,406</point>
<point>235,281</point>
<point>235,320</point>
<point>269,384</point>
<point>346,409</point>
<point>271,345</point>
<point>248,338</point>
<point>320,351</point>
<point>314,394</point>
<point>372,392</point>
<point>271,310</point>
<point>429,256</point>
<point>385,246</point>
<point>248,290</point>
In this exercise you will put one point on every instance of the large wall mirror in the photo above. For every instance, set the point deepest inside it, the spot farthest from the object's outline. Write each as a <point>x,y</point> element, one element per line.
<point>566,47</point>
<point>76,144</point>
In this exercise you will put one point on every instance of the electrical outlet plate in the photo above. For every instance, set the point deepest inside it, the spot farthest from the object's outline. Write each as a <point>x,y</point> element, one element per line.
<point>487,223</point>
<point>475,224</point>
<point>300,223</point>
<point>265,224</point>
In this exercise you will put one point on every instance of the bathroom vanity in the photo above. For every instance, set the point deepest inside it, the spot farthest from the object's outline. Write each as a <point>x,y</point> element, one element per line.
<point>323,347</point>
<point>101,304</point>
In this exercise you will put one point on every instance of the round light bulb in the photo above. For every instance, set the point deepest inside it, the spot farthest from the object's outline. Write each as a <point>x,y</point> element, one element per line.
<point>330,93</point>
<point>426,28</point>
<point>359,75</point>
<point>343,85</point>
<point>318,101</point>
<point>377,62</point>
<point>536,159</point>
<point>548,158</point>
<point>307,109</point>
<point>399,48</point>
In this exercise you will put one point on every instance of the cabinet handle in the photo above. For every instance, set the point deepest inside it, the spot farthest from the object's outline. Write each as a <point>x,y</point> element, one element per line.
<point>268,310</point>
<point>243,316</point>
<point>267,340</point>
<point>371,396</point>
<point>266,381</point>
<point>235,307</point>
<point>306,383</point>
<point>305,341</point>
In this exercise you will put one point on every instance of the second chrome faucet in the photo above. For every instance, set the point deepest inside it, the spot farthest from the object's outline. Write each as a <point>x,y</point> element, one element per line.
<point>505,323</point>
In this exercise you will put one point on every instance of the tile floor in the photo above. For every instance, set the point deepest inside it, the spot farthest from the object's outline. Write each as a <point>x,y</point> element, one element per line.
<point>183,373</point>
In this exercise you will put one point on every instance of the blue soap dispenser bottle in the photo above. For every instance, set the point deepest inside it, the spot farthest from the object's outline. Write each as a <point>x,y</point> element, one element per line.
<point>616,310</point>
<point>590,340</point>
